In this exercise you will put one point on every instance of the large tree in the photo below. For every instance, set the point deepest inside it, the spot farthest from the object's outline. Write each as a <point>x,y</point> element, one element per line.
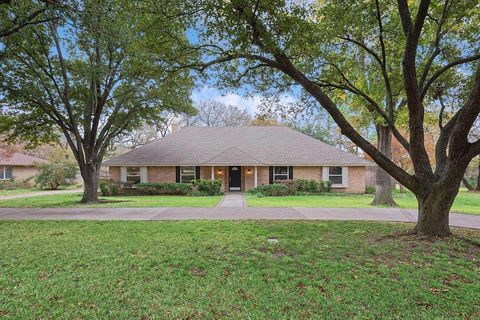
<point>213,113</point>
<point>97,71</point>
<point>18,14</point>
<point>275,41</point>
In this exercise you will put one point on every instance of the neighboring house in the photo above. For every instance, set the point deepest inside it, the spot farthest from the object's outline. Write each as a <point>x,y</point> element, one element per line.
<point>242,158</point>
<point>19,166</point>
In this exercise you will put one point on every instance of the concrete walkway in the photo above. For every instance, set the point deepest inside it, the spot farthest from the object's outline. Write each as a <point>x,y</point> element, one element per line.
<point>39,193</point>
<point>233,200</point>
<point>368,214</point>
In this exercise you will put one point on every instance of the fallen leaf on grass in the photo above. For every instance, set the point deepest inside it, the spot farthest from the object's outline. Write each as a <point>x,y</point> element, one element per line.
<point>198,272</point>
<point>438,291</point>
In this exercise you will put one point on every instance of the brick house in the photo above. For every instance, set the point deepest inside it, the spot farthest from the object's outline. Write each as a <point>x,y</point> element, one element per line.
<point>19,166</point>
<point>241,157</point>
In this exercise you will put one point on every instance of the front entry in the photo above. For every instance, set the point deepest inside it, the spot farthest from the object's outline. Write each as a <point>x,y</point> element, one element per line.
<point>235,178</point>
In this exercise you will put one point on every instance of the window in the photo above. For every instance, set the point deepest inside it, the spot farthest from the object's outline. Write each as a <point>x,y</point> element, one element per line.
<point>335,174</point>
<point>5,173</point>
<point>187,174</point>
<point>133,175</point>
<point>280,173</point>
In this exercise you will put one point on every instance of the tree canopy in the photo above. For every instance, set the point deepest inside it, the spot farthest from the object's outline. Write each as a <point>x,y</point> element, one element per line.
<point>99,70</point>
<point>410,47</point>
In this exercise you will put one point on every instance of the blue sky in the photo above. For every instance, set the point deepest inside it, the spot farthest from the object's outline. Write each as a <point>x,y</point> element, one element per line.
<point>249,103</point>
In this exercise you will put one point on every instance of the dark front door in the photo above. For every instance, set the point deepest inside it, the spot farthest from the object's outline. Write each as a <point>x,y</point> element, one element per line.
<point>235,179</point>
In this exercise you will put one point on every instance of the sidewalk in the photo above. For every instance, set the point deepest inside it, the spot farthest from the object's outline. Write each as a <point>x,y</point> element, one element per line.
<point>233,200</point>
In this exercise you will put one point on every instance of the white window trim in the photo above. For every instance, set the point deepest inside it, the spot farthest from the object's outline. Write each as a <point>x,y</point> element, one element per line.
<point>194,173</point>
<point>281,174</point>
<point>123,174</point>
<point>143,174</point>
<point>326,177</point>
<point>4,172</point>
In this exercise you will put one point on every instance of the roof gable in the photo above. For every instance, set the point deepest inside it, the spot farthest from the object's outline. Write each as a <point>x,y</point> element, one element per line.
<point>232,155</point>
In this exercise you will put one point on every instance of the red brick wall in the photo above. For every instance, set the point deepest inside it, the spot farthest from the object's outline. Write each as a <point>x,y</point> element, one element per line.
<point>356,176</point>
<point>161,174</point>
<point>114,173</point>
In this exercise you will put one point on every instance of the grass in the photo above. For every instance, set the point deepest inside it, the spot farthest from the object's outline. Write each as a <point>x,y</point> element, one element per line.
<point>228,270</point>
<point>466,202</point>
<point>72,200</point>
<point>12,192</point>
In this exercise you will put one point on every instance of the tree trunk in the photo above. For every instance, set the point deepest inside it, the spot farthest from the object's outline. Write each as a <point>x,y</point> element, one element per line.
<point>467,184</point>
<point>91,176</point>
<point>383,181</point>
<point>434,207</point>
<point>478,176</point>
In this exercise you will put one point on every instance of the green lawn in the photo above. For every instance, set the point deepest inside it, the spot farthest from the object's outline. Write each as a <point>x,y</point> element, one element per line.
<point>466,202</point>
<point>72,200</point>
<point>228,270</point>
<point>17,191</point>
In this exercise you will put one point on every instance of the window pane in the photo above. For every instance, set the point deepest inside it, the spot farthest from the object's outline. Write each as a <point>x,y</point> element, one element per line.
<point>187,178</point>
<point>336,179</point>
<point>188,170</point>
<point>281,170</point>
<point>8,172</point>
<point>335,170</point>
<point>133,179</point>
<point>281,177</point>
<point>187,174</point>
<point>133,171</point>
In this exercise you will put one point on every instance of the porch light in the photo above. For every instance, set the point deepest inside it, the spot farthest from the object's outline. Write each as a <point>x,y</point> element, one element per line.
<point>249,171</point>
<point>219,171</point>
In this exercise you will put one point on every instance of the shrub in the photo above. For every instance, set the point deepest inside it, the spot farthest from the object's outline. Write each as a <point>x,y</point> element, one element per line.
<point>15,184</point>
<point>56,174</point>
<point>108,187</point>
<point>327,186</point>
<point>307,186</point>
<point>208,187</point>
<point>369,189</point>
<point>164,188</point>
<point>276,189</point>
<point>291,184</point>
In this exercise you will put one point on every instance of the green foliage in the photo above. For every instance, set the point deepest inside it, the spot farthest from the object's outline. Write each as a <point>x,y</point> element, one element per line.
<point>276,189</point>
<point>56,174</point>
<point>164,188</point>
<point>106,46</point>
<point>308,186</point>
<point>293,187</point>
<point>108,187</point>
<point>15,184</point>
<point>327,186</point>
<point>208,187</point>
<point>369,189</point>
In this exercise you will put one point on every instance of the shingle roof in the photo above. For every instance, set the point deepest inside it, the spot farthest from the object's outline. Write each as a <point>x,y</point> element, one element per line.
<point>238,146</point>
<point>20,159</point>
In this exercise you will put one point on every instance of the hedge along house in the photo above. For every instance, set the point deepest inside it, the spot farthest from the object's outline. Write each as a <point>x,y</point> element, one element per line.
<point>241,157</point>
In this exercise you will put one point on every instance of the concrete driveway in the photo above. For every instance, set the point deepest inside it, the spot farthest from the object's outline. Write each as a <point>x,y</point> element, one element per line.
<point>372,214</point>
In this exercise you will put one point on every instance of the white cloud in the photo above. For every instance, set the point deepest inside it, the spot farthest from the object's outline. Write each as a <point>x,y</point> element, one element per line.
<point>249,103</point>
